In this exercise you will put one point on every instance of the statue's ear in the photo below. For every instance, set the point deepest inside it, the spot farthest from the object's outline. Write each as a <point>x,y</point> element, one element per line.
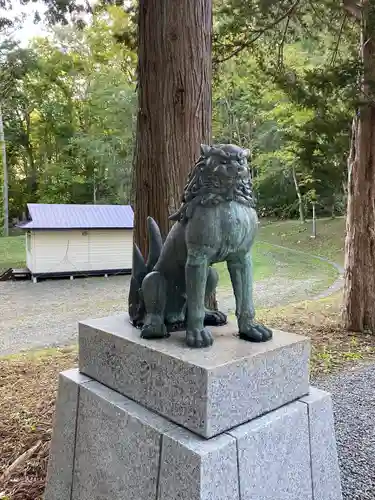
<point>205,150</point>
<point>246,153</point>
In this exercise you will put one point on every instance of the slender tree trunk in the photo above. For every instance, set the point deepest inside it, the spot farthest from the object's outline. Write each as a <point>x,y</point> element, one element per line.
<point>359,291</point>
<point>33,181</point>
<point>5,176</point>
<point>174,98</point>
<point>299,196</point>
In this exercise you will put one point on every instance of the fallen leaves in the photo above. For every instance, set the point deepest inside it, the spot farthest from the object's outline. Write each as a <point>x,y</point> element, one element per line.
<point>28,385</point>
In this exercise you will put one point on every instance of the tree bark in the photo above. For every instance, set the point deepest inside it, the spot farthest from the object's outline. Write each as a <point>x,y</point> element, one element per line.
<point>5,176</point>
<point>174,99</point>
<point>359,291</point>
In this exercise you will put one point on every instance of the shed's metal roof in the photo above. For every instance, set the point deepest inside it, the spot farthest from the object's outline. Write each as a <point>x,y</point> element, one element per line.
<point>55,216</point>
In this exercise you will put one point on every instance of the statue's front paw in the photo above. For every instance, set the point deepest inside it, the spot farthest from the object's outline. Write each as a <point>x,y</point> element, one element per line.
<point>215,318</point>
<point>154,330</point>
<point>199,338</point>
<point>255,332</point>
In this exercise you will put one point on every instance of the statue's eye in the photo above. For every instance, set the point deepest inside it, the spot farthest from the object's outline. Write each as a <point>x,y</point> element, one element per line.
<point>224,162</point>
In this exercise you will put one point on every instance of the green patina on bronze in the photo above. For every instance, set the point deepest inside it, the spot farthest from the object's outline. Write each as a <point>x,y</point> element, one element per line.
<point>216,222</point>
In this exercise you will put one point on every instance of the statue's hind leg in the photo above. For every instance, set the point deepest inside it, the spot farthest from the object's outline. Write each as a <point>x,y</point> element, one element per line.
<point>154,291</point>
<point>213,317</point>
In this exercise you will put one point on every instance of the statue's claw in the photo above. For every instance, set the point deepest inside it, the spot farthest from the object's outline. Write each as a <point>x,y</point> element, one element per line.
<point>255,332</point>
<point>215,318</point>
<point>199,338</point>
<point>154,330</point>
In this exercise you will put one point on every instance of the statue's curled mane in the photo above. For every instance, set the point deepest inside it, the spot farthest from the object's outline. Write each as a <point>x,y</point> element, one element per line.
<point>206,186</point>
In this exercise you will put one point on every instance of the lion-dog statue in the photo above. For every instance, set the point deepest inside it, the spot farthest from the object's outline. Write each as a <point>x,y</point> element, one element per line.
<point>216,222</point>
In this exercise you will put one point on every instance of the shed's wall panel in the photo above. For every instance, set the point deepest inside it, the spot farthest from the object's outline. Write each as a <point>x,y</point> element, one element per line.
<point>60,251</point>
<point>110,249</point>
<point>79,250</point>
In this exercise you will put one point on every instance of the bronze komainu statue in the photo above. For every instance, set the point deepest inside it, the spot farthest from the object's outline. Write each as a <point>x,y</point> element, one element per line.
<point>216,222</point>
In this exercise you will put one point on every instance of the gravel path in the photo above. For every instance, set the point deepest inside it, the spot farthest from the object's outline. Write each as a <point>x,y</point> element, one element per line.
<point>353,394</point>
<point>46,313</point>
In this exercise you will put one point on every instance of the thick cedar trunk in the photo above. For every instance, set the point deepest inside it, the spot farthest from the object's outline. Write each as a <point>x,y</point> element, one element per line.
<point>359,291</point>
<point>174,97</point>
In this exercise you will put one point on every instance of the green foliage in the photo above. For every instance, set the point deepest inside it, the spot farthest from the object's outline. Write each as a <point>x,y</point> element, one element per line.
<point>69,112</point>
<point>284,88</point>
<point>293,140</point>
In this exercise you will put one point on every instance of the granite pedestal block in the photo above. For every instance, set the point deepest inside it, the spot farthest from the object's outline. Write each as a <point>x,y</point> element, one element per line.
<point>108,447</point>
<point>207,391</point>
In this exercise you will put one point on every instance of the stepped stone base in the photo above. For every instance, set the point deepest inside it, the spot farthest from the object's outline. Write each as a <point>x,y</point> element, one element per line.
<point>108,447</point>
<point>207,391</point>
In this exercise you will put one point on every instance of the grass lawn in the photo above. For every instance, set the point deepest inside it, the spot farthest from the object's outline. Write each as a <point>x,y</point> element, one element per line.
<point>12,252</point>
<point>328,243</point>
<point>269,261</point>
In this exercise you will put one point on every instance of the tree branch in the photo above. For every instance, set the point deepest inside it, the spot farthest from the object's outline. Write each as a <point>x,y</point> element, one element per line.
<point>281,44</point>
<point>259,33</point>
<point>242,46</point>
<point>338,40</point>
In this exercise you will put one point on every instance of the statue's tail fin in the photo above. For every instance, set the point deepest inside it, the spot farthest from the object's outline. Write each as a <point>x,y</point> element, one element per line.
<point>155,243</point>
<point>135,301</point>
<point>141,269</point>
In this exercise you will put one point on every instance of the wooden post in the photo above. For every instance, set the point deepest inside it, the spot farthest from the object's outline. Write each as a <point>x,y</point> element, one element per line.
<point>313,221</point>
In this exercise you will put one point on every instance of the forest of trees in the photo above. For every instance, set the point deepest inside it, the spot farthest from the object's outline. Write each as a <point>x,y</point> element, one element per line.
<point>69,110</point>
<point>293,80</point>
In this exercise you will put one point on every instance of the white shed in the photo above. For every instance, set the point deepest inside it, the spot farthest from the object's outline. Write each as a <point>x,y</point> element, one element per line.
<point>78,239</point>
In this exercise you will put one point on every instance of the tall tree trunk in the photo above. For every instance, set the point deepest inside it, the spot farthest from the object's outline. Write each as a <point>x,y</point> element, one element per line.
<point>299,196</point>
<point>5,176</point>
<point>174,99</point>
<point>359,291</point>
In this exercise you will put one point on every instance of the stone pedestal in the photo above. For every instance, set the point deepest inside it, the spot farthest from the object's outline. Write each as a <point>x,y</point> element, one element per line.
<point>123,428</point>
